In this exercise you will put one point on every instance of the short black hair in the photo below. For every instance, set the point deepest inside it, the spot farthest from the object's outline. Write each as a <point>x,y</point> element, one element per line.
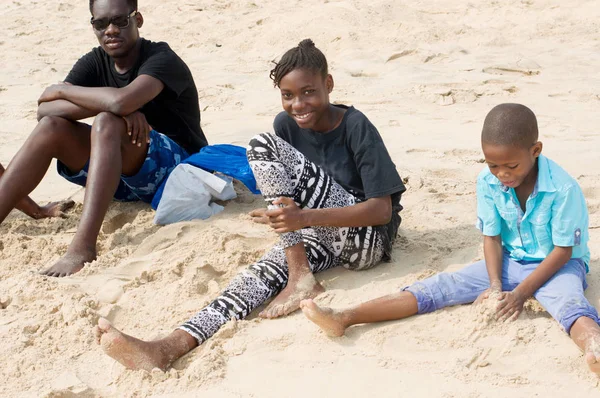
<point>304,56</point>
<point>131,3</point>
<point>510,125</point>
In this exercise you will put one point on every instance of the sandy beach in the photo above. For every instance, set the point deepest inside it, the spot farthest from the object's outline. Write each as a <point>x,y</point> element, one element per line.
<point>425,73</point>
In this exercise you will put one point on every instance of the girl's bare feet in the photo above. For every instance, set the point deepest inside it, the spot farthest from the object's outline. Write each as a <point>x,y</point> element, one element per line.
<point>289,299</point>
<point>138,354</point>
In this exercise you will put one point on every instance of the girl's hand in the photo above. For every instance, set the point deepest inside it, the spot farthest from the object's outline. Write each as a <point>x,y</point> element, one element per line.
<point>288,217</point>
<point>259,217</point>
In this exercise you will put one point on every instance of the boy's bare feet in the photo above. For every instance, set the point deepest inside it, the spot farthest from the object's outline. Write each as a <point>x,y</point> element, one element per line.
<point>593,361</point>
<point>138,354</point>
<point>70,263</point>
<point>54,209</point>
<point>289,299</point>
<point>585,332</point>
<point>330,321</point>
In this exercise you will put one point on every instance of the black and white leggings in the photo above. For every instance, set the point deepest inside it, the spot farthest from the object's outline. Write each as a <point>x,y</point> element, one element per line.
<point>281,170</point>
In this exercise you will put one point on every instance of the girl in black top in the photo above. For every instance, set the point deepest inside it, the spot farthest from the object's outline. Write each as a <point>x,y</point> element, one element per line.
<point>333,195</point>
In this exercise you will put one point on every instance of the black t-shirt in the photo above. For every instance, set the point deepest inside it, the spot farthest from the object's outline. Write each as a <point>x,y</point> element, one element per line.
<point>174,112</point>
<point>354,155</point>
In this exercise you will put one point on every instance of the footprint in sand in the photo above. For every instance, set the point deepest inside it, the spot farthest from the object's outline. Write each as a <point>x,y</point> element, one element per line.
<point>118,221</point>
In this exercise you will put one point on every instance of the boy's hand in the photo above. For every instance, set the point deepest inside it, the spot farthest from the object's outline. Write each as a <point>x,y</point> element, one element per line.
<point>489,293</point>
<point>287,218</point>
<point>138,128</point>
<point>52,93</point>
<point>259,217</point>
<point>510,306</point>
<point>495,291</point>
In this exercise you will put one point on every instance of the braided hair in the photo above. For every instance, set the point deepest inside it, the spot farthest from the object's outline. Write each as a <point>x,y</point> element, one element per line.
<point>305,56</point>
<point>133,4</point>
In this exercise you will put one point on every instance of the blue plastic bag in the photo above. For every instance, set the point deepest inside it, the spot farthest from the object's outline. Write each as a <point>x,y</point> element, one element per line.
<point>228,159</point>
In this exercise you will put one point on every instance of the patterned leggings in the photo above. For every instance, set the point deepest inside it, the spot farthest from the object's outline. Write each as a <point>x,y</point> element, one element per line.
<point>281,170</point>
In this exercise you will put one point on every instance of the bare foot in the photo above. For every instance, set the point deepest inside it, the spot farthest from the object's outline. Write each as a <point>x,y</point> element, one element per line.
<point>330,321</point>
<point>54,209</point>
<point>593,362</point>
<point>138,354</point>
<point>129,351</point>
<point>70,263</point>
<point>289,299</point>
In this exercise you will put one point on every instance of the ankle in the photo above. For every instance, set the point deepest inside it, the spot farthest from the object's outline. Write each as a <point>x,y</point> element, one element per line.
<point>82,249</point>
<point>346,317</point>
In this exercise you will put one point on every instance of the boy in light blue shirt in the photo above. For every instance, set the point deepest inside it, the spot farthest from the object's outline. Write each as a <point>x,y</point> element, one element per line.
<point>534,222</point>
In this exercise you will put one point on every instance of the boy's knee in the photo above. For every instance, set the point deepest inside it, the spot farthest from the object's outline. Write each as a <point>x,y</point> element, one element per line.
<point>51,124</point>
<point>50,131</point>
<point>109,125</point>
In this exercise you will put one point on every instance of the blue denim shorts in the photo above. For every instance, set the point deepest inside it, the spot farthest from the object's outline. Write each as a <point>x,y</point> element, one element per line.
<point>562,295</point>
<point>163,155</point>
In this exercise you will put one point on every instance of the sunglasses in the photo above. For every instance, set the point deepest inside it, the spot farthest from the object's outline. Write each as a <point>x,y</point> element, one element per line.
<point>120,21</point>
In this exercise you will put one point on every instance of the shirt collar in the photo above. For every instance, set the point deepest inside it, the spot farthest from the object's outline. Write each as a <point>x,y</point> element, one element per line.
<point>544,180</point>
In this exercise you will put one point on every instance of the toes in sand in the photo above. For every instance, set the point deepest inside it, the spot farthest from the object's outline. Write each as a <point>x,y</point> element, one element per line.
<point>289,299</point>
<point>127,350</point>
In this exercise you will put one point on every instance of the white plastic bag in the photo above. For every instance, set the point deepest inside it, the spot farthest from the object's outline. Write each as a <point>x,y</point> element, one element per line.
<point>188,194</point>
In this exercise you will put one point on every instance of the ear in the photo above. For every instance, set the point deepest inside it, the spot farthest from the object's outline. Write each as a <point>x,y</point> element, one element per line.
<point>329,83</point>
<point>536,149</point>
<point>139,18</point>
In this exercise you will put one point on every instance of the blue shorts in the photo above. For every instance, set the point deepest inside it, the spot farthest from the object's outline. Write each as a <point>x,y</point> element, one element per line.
<point>562,295</point>
<point>163,155</point>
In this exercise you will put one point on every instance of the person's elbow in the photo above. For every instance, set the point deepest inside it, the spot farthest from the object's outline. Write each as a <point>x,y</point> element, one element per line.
<point>122,105</point>
<point>384,211</point>
<point>42,111</point>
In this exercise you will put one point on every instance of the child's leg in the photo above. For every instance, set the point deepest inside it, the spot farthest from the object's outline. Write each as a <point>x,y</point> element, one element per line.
<point>431,294</point>
<point>33,210</point>
<point>249,289</point>
<point>585,332</point>
<point>387,308</point>
<point>562,296</point>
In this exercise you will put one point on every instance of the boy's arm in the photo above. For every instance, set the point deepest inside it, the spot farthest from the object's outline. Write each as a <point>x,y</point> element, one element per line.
<point>511,303</point>
<point>64,109</point>
<point>490,225</point>
<point>119,101</point>
<point>557,258</point>
<point>492,252</point>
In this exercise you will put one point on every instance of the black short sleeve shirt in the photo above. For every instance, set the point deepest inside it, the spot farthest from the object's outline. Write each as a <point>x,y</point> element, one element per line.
<point>174,112</point>
<point>354,155</point>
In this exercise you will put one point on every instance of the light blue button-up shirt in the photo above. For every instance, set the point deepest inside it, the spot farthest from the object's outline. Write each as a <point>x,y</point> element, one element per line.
<point>556,214</point>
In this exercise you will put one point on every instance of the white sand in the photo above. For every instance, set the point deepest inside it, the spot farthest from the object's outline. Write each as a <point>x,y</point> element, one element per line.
<point>426,73</point>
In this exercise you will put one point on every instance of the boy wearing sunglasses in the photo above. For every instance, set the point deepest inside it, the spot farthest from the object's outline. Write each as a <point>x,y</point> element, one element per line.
<point>146,120</point>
